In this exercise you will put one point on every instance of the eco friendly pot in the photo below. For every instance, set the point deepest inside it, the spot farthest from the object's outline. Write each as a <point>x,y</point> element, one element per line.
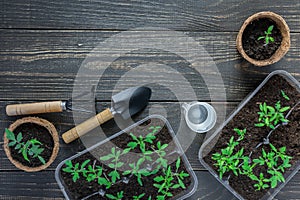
<point>281,50</point>
<point>120,140</point>
<point>258,138</point>
<point>36,122</point>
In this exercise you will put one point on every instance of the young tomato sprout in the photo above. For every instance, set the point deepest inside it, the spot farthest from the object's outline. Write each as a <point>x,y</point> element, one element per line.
<point>29,149</point>
<point>267,37</point>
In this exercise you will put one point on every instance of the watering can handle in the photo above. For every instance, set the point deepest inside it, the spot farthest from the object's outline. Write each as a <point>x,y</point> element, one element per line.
<point>87,126</point>
<point>34,108</point>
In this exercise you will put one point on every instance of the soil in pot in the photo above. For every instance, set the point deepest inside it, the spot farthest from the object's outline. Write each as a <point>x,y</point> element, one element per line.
<point>285,135</point>
<point>34,131</point>
<point>81,189</point>
<point>258,49</point>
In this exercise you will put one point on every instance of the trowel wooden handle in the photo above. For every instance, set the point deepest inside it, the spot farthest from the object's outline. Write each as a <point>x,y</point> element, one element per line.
<point>87,126</point>
<point>34,108</point>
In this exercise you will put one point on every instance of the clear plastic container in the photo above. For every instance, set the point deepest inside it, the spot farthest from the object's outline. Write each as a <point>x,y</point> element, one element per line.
<point>184,195</point>
<point>211,141</point>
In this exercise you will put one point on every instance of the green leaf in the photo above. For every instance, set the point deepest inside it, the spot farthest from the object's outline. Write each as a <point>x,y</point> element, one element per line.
<point>10,135</point>
<point>125,151</point>
<point>114,176</point>
<point>181,183</point>
<point>75,177</point>
<point>175,186</point>
<point>110,196</point>
<point>19,137</point>
<point>164,146</point>
<point>284,109</point>
<point>159,179</point>
<point>132,145</point>
<point>42,160</point>
<point>270,29</point>
<point>35,141</point>
<point>178,163</point>
<point>140,181</point>
<point>261,37</point>
<point>111,165</point>
<point>133,136</point>
<point>284,95</point>
<point>107,157</point>
<point>85,163</point>
<point>13,143</point>
<point>24,151</point>
<point>273,182</point>
<point>102,181</point>
<point>260,125</point>
<point>119,164</point>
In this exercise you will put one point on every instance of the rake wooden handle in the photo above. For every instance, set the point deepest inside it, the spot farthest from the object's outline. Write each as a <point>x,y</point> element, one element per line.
<point>34,108</point>
<point>87,126</point>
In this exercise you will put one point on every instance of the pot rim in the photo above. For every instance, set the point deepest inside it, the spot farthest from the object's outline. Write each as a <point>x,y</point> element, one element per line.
<point>285,43</point>
<point>42,122</point>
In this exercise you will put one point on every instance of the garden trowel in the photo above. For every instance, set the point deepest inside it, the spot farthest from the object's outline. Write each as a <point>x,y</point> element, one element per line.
<point>124,104</point>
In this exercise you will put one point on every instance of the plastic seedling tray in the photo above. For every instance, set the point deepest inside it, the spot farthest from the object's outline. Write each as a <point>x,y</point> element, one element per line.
<point>95,191</point>
<point>245,116</point>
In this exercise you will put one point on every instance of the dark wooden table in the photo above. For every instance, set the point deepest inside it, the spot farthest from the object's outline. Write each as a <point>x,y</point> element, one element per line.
<point>43,44</point>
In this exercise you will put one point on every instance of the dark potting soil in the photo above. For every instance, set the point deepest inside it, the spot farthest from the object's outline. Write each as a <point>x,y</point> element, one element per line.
<point>286,135</point>
<point>81,188</point>
<point>257,49</point>
<point>34,131</point>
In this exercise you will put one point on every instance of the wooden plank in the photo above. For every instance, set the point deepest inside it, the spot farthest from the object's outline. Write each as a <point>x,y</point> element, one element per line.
<point>42,65</point>
<point>40,185</point>
<point>189,15</point>
<point>64,121</point>
<point>21,185</point>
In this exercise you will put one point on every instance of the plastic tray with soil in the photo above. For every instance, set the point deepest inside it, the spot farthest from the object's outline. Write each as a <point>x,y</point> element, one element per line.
<point>144,161</point>
<point>256,156</point>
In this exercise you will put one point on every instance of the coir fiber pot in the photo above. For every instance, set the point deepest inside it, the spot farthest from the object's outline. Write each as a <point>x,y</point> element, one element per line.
<point>51,139</point>
<point>85,188</point>
<point>279,86</point>
<point>282,48</point>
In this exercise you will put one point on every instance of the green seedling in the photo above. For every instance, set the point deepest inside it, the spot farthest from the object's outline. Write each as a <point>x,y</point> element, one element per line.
<point>136,171</point>
<point>272,160</point>
<point>227,160</point>
<point>270,116</point>
<point>29,149</point>
<point>119,196</point>
<point>284,95</point>
<point>261,181</point>
<point>115,163</point>
<point>241,133</point>
<point>160,151</point>
<point>138,197</point>
<point>75,169</point>
<point>94,172</point>
<point>169,180</point>
<point>267,37</point>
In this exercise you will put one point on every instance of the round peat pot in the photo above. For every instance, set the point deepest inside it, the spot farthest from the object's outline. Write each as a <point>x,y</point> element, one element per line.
<point>33,128</point>
<point>254,42</point>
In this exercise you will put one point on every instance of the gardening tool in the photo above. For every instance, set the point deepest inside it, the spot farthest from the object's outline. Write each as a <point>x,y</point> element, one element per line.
<point>45,107</point>
<point>125,104</point>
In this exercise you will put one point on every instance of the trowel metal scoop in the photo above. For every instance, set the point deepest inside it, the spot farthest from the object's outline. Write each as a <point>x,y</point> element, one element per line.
<point>125,104</point>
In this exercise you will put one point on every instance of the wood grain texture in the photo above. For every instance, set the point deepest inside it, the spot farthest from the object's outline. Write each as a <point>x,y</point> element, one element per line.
<point>44,43</point>
<point>191,15</point>
<point>45,64</point>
